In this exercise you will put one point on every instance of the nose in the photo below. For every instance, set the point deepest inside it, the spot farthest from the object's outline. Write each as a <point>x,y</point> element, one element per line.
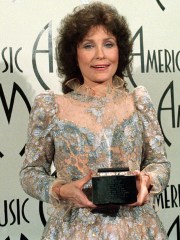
<point>100,52</point>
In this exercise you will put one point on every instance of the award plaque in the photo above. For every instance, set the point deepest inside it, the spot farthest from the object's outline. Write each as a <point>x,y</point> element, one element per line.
<point>114,186</point>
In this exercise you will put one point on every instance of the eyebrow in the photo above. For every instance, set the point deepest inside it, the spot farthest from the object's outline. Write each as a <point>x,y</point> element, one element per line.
<point>105,39</point>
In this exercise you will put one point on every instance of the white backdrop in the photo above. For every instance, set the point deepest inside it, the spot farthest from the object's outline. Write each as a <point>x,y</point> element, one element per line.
<point>27,67</point>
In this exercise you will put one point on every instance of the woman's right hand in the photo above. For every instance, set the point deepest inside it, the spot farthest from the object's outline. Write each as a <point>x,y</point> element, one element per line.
<point>73,192</point>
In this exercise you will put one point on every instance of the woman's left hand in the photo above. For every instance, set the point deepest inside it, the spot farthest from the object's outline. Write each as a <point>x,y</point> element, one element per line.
<point>142,184</point>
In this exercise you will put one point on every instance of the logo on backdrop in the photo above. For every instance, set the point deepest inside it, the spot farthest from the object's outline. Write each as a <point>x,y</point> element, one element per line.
<point>160,5</point>
<point>14,212</point>
<point>171,108</point>
<point>162,61</point>
<point>48,53</point>
<point>9,109</point>
<point>170,198</point>
<point>159,61</point>
<point>22,237</point>
<point>11,61</point>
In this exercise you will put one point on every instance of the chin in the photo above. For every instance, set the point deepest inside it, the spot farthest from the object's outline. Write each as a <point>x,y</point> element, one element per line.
<point>102,80</point>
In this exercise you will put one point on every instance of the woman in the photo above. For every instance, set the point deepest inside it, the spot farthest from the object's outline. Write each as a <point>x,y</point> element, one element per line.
<point>96,124</point>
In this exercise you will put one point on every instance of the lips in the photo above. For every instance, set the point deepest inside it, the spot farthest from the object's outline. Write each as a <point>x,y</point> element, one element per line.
<point>101,66</point>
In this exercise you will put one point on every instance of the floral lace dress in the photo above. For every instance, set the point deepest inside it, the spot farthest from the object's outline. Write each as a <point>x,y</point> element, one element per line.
<point>78,132</point>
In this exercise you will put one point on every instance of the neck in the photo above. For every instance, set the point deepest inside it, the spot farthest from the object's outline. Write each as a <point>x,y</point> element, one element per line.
<point>99,88</point>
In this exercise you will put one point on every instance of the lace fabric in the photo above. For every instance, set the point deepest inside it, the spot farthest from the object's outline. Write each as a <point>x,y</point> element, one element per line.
<point>75,85</point>
<point>78,131</point>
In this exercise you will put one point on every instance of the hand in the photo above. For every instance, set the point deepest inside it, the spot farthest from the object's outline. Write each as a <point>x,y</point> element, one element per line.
<point>73,192</point>
<point>142,184</point>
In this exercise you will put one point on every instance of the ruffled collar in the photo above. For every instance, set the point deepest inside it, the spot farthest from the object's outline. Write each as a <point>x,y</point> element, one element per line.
<point>84,89</point>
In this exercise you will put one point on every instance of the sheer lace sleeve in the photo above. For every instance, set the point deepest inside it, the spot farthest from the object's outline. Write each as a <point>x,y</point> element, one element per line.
<point>154,161</point>
<point>35,175</point>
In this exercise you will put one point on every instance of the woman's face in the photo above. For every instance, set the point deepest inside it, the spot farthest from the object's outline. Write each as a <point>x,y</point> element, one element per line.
<point>98,56</point>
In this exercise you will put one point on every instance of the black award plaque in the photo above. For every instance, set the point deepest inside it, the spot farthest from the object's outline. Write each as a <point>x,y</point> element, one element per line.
<point>114,186</point>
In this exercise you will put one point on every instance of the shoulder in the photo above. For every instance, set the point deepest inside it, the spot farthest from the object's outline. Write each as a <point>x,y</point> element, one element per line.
<point>46,97</point>
<point>142,99</point>
<point>140,92</point>
<point>44,104</point>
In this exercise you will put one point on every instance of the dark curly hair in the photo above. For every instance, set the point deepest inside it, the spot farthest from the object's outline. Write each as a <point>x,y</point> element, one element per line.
<point>73,29</point>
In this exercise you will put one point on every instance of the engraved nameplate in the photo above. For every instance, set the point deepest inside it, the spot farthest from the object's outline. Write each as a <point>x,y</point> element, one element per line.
<point>114,186</point>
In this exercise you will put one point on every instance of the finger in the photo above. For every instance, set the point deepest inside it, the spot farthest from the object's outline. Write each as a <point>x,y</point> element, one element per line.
<point>142,197</point>
<point>81,200</point>
<point>87,205</point>
<point>132,204</point>
<point>136,172</point>
<point>139,202</point>
<point>84,180</point>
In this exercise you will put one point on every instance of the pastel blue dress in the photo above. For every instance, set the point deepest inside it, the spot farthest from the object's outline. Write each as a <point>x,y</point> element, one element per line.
<point>79,131</point>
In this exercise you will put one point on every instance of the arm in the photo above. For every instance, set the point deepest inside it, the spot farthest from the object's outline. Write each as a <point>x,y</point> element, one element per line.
<point>154,162</point>
<point>35,175</point>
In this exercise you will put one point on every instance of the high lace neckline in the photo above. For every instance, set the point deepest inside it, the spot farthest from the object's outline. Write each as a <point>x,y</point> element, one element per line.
<point>101,92</point>
<point>104,91</point>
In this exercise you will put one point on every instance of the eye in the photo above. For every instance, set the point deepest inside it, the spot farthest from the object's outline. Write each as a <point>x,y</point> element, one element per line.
<point>88,46</point>
<point>109,45</point>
